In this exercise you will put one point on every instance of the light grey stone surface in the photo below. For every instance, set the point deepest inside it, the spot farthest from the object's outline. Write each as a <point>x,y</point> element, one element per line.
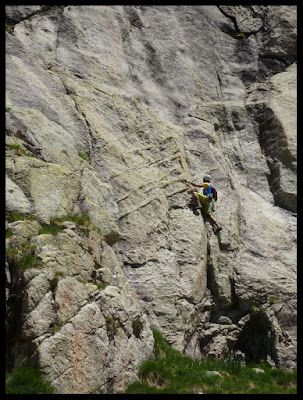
<point>114,108</point>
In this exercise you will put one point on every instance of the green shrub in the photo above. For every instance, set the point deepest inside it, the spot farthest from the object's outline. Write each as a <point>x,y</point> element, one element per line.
<point>28,380</point>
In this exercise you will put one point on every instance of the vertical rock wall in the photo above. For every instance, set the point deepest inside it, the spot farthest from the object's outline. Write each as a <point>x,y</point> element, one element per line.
<point>109,110</point>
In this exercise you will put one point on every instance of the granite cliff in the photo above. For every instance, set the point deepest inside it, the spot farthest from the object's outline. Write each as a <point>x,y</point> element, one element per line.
<point>109,110</point>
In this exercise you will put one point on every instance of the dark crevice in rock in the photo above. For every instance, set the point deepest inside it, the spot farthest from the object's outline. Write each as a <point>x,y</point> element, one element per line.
<point>133,16</point>
<point>211,279</point>
<point>256,340</point>
<point>14,311</point>
<point>231,17</point>
<point>30,142</point>
<point>237,33</point>
<point>137,326</point>
<point>41,11</point>
<point>270,65</point>
<point>58,31</point>
<point>89,130</point>
<point>140,265</point>
<point>274,144</point>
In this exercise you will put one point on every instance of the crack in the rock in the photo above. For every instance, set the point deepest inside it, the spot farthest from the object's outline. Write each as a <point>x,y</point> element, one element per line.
<point>273,142</point>
<point>68,93</point>
<point>58,29</point>
<point>231,17</point>
<point>236,26</point>
<point>42,11</point>
<point>139,265</point>
<point>142,205</point>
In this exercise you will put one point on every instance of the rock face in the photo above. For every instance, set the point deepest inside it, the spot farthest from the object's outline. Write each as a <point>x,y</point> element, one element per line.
<point>109,110</point>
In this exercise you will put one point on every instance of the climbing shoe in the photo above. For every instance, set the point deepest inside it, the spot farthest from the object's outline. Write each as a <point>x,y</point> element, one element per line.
<point>218,229</point>
<point>196,210</point>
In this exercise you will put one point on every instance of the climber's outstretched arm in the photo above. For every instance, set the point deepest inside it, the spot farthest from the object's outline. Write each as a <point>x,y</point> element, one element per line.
<point>194,184</point>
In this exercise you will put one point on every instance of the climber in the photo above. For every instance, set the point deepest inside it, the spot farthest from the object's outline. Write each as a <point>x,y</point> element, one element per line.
<point>203,201</point>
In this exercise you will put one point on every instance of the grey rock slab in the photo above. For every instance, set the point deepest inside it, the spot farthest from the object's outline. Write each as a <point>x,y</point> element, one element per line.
<point>117,107</point>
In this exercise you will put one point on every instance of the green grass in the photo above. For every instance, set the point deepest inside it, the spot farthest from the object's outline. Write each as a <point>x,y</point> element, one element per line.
<point>55,225</point>
<point>273,300</point>
<point>77,219</point>
<point>14,216</point>
<point>24,260</point>
<point>101,285</point>
<point>254,309</point>
<point>50,229</point>
<point>12,256</point>
<point>82,155</point>
<point>18,150</point>
<point>27,380</point>
<point>27,261</point>
<point>9,233</point>
<point>11,250</point>
<point>173,373</point>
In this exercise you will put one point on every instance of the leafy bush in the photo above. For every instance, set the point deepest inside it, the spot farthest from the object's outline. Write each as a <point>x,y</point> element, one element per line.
<point>28,380</point>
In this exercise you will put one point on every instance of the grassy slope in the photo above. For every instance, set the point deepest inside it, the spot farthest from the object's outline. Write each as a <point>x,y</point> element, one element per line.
<point>172,372</point>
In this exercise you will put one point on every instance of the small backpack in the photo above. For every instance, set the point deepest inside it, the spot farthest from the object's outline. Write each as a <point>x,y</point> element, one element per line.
<point>214,193</point>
